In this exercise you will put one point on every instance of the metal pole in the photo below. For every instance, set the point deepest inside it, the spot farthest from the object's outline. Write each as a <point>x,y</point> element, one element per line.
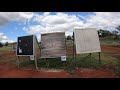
<point>74,51</point>
<point>73,46</point>
<point>90,55</point>
<point>47,62</point>
<point>18,62</point>
<point>99,59</point>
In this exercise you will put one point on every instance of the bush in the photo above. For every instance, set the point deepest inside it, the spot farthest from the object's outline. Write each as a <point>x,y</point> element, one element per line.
<point>69,38</point>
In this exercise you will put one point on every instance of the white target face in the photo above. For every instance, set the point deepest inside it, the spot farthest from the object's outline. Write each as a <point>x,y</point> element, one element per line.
<point>87,41</point>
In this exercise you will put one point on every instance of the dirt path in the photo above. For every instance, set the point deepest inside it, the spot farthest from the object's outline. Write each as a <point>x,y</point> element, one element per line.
<point>13,72</point>
<point>109,49</point>
<point>7,71</point>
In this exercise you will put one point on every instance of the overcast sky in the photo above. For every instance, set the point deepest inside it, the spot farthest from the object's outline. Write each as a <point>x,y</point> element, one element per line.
<point>14,24</point>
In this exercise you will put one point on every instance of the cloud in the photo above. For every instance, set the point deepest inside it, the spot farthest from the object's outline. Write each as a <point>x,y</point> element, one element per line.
<point>61,22</point>
<point>6,17</point>
<point>58,22</point>
<point>103,20</point>
<point>4,38</point>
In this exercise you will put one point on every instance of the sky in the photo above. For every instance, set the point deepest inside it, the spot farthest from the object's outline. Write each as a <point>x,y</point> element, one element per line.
<point>16,24</point>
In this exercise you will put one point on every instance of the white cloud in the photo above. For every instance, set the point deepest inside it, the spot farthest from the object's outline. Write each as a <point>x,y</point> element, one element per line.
<point>4,38</point>
<point>103,20</point>
<point>6,17</point>
<point>46,14</point>
<point>59,22</point>
<point>11,41</point>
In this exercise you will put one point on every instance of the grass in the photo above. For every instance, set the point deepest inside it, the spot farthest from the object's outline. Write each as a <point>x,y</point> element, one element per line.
<point>110,42</point>
<point>4,60</point>
<point>116,65</point>
<point>109,60</point>
<point>5,49</point>
<point>80,61</point>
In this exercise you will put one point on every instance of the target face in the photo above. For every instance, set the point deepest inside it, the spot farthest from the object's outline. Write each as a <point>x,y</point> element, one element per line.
<point>87,41</point>
<point>25,45</point>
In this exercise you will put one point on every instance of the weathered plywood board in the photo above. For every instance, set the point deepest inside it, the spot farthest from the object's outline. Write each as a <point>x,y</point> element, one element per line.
<point>87,41</point>
<point>53,45</point>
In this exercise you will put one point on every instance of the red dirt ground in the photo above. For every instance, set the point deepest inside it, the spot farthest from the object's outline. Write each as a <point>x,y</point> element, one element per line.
<point>109,49</point>
<point>8,71</point>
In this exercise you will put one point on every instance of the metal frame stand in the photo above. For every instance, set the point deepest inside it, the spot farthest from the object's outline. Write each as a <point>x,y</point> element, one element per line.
<point>99,58</point>
<point>74,53</point>
<point>18,62</point>
<point>47,63</point>
<point>87,56</point>
<point>63,63</point>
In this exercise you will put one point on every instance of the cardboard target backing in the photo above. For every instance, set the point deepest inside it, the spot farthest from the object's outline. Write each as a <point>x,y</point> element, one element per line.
<point>87,40</point>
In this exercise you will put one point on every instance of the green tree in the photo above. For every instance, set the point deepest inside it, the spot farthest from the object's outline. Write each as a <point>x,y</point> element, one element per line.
<point>69,37</point>
<point>6,44</point>
<point>115,34</point>
<point>118,28</point>
<point>104,33</point>
<point>1,45</point>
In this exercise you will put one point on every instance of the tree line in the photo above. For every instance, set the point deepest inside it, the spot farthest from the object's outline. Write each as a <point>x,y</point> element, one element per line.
<point>115,34</point>
<point>105,34</point>
<point>6,44</point>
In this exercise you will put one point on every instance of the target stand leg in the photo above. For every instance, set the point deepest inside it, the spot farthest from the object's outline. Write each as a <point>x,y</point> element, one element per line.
<point>90,55</point>
<point>18,62</point>
<point>47,62</point>
<point>36,63</point>
<point>99,59</point>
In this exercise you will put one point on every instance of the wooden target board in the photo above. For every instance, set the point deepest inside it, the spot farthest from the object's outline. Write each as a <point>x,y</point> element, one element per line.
<point>53,45</point>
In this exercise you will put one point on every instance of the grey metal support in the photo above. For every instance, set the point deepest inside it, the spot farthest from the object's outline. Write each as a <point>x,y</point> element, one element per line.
<point>87,56</point>
<point>18,62</point>
<point>74,54</point>
<point>73,44</point>
<point>90,55</point>
<point>99,58</point>
<point>47,62</point>
<point>74,50</point>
